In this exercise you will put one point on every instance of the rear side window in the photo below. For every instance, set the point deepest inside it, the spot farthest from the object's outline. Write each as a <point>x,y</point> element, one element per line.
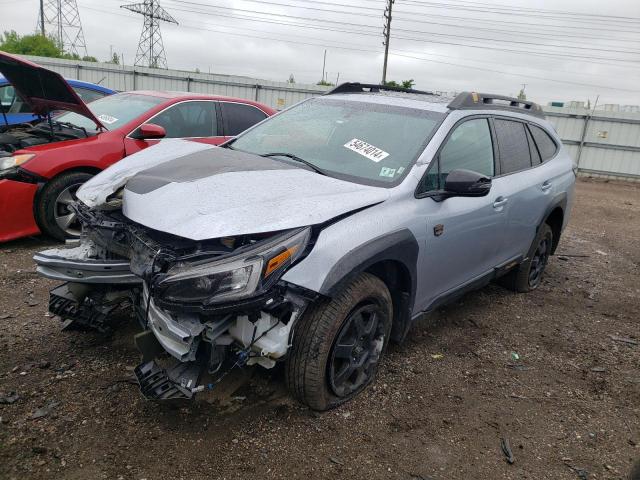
<point>546,146</point>
<point>535,155</point>
<point>469,147</point>
<point>237,117</point>
<point>513,146</point>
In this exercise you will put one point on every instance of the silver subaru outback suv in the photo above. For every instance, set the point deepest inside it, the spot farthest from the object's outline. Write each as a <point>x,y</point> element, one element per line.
<point>314,238</point>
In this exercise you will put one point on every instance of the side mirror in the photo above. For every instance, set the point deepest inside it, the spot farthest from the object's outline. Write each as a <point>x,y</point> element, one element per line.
<point>149,131</point>
<point>466,183</point>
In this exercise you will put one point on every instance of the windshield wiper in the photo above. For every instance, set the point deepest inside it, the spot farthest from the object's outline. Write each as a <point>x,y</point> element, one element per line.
<point>72,126</point>
<point>297,159</point>
<point>69,125</point>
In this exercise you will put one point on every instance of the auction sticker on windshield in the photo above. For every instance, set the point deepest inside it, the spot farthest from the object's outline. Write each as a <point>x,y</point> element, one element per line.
<point>367,150</point>
<point>108,119</point>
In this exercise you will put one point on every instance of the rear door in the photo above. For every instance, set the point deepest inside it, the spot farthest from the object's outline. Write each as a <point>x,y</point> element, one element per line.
<point>237,117</point>
<point>464,234</point>
<point>524,181</point>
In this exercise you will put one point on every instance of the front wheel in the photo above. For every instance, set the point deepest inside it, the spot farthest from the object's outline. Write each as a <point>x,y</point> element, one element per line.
<point>337,345</point>
<point>53,210</point>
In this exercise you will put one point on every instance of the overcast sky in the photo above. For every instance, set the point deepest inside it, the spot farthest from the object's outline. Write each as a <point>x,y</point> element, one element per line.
<point>571,49</point>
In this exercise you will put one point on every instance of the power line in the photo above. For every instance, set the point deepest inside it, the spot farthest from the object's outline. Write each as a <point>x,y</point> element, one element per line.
<point>538,34</point>
<point>431,4</point>
<point>516,12</point>
<point>540,10</point>
<point>350,24</point>
<point>342,46</point>
<point>368,50</point>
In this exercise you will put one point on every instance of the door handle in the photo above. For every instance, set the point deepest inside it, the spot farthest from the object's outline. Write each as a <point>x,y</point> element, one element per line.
<point>546,185</point>
<point>500,202</point>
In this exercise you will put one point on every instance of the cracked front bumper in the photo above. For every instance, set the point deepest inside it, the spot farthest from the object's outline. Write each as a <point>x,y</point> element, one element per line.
<point>74,265</point>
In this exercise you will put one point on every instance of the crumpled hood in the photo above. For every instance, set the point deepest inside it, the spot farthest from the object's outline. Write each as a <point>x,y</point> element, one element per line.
<point>45,91</point>
<point>213,192</point>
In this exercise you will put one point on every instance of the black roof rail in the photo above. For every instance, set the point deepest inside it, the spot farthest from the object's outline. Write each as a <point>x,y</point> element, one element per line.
<point>487,101</point>
<point>356,87</point>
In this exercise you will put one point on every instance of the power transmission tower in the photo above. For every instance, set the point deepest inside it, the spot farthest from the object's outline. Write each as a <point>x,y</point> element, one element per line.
<point>63,21</point>
<point>150,48</point>
<point>387,34</point>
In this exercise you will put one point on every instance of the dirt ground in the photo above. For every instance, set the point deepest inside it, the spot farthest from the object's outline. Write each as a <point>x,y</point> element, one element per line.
<point>555,372</point>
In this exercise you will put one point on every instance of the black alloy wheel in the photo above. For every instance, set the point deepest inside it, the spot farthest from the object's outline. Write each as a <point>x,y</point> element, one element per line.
<point>357,350</point>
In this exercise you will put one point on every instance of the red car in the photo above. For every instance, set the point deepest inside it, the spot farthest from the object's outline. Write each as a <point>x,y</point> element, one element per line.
<point>41,167</point>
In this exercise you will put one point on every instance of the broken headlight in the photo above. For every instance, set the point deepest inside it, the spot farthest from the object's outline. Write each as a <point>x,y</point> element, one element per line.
<point>233,278</point>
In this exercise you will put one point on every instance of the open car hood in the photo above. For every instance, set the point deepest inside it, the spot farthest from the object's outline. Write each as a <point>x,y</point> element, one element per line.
<point>45,91</point>
<point>210,192</point>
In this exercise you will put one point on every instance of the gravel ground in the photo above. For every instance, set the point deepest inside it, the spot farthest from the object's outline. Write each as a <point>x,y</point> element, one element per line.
<point>555,372</point>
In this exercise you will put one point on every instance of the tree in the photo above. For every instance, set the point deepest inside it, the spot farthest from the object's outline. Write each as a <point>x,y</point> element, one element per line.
<point>408,83</point>
<point>325,83</point>
<point>115,59</point>
<point>403,84</point>
<point>37,45</point>
<point>291,79</point>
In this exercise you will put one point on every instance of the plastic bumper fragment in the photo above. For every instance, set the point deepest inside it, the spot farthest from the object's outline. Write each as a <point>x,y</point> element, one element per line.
<point>175,383</point>
<point>77,306</point>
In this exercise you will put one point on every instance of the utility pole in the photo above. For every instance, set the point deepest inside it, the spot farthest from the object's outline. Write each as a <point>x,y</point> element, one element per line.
<point>42,18</point>
<point>387,34</point>
<point>522,95</point>
<point>324,63</point>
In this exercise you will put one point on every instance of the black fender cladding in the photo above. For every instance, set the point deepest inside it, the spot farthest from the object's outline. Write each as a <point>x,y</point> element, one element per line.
<point>400,247</point>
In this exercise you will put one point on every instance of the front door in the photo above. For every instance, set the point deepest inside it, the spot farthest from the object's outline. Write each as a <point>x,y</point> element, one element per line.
<point>192,119</point>
<point>464,234</point>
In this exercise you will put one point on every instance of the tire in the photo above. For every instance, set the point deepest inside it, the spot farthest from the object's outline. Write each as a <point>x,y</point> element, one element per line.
<point>337,344</point>
<point>528,275</point>
<point>52,204</point>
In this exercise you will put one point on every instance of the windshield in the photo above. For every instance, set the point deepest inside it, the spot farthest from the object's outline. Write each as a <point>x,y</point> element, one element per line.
<point>358,141</point>
<point>113,111</point>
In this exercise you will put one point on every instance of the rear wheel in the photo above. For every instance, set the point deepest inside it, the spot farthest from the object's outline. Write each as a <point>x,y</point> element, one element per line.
<point>528,275</point>
<point>53,211</point>
<point>338,344</point>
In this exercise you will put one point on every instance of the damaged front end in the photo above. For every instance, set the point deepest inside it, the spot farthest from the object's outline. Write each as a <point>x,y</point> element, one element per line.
<point>206,307</point>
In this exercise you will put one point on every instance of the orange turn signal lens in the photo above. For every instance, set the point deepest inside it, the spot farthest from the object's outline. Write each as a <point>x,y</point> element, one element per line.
<point>276,262</point>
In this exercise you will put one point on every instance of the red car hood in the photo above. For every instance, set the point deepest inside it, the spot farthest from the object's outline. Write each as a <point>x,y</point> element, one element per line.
<point>44,90</point>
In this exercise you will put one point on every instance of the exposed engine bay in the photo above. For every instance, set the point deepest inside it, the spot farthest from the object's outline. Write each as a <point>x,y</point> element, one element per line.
<point>25,135</point>
<point>205,307</point>
<point>185,238</point>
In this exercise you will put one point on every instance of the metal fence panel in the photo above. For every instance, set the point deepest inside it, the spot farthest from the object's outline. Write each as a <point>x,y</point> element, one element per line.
<point>610,139</point>
<point>278,95</point>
